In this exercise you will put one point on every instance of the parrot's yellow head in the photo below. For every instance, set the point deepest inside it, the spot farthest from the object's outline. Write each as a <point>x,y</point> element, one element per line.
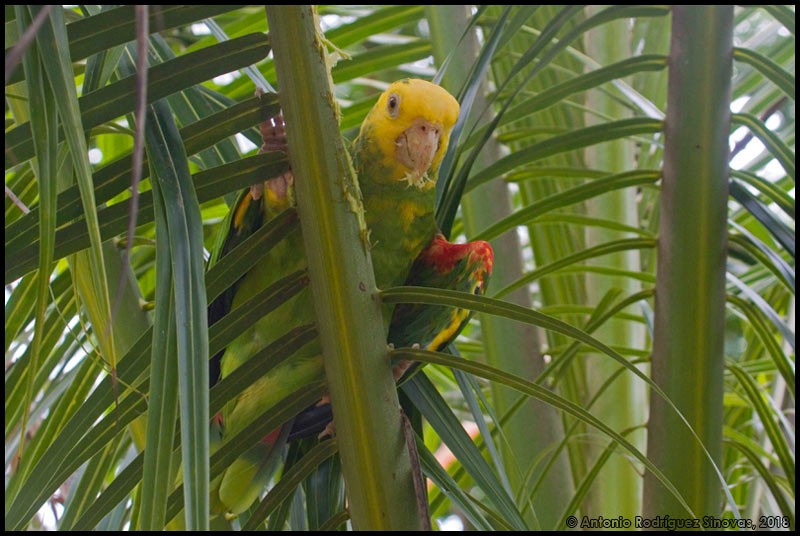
<point>410,128</point>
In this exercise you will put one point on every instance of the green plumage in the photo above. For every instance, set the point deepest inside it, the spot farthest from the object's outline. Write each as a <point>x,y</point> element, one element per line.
<point>397,154</point>
<point>462,267</point>
<point>242,481</point>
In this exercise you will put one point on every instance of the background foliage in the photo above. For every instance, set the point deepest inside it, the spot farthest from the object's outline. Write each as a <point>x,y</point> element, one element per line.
<point>557,160</point>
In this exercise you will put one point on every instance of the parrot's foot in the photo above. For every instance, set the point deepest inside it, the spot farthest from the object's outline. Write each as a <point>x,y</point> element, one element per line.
<point>273,134</point>
<point>273,138</point>
<point>278,187</point>
<point>330,430</point>
<point>256,191</point>
<point>273,131</point>
<point>400,368</point>
<point>404,365</point>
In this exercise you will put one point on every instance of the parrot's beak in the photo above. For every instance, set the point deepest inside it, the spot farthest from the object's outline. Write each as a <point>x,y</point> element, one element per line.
<point>416,148</point>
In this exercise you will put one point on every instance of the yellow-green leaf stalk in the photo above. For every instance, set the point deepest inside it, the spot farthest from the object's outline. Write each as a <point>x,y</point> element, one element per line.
<point>688,356</point>
<point>375,459</point>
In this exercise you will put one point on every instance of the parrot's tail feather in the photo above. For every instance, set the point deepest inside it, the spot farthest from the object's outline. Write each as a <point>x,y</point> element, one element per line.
<point>247,477</point>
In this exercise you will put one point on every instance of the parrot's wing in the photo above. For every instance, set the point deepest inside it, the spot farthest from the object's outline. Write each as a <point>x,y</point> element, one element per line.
<point>442,264</point>
<point>241,482</point>
<point>445,265</point>
<point>244,218</point>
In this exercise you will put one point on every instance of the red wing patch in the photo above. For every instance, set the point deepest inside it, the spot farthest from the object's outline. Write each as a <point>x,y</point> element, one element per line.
<point>443,255</point>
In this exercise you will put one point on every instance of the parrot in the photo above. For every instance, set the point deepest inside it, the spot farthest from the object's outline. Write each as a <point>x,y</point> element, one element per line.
<point>396,155</point>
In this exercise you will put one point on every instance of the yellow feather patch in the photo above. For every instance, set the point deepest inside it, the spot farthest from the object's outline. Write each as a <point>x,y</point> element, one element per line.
<point>409,212</point>
<point>273,198</point>
<point>459,315</point>
<point>241,210</point>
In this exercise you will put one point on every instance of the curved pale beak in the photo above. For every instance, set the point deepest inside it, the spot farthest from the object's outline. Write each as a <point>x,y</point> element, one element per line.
<point>416,148</point>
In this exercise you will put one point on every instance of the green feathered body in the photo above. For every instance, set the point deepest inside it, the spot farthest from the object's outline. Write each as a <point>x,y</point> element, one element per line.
<point>397,155</point>
<point>400,220</point>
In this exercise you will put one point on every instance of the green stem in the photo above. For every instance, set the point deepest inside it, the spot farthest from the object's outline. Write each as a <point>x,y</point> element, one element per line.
<point>375,460</point>
<point>690,289</point>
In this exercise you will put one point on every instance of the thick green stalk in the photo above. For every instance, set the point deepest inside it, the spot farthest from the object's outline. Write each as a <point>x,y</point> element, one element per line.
<point>534,428</point>
<point>618,487</point>
<point>375,461</point>
<point>690,289</point>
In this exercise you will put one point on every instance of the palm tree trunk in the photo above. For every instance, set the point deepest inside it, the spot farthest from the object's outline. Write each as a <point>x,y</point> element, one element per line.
<point>690,289</point>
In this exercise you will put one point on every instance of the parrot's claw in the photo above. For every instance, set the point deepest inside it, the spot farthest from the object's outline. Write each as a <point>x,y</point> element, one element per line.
<point>273,138</point>
<point>400,369</point>
<point>278,186</point>
<point>256,190</point>
<point>330,430</point>
<point>403,365</point>
<point>273,130</point>
<point>273,134</point>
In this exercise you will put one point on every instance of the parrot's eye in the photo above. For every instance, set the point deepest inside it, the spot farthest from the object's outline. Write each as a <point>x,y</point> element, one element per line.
<point>393,104</point>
